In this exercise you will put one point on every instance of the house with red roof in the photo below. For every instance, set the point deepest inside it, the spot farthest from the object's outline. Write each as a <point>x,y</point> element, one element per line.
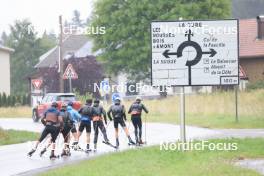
<point>251,36</point>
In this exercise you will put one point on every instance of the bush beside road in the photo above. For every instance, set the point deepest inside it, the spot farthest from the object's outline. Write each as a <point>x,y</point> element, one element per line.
<point>152,161</point>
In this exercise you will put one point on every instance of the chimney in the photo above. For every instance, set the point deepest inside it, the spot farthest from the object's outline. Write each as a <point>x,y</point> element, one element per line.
<point>260,21</point>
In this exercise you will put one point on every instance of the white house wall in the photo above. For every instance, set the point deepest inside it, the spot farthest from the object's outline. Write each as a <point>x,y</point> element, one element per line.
<point>4,72</point>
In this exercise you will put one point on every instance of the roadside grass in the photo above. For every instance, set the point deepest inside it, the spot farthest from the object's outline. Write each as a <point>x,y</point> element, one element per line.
<point>15,112</point>
<point>152,161</point>
<point>216,110</point>
<point>14,137</point>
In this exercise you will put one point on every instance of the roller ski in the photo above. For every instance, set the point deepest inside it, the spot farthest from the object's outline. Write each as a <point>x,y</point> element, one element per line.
<point>65,153</point>
<point>109,144</point>
<point>42,152</point>
<point>87,150</point>
<point>53,157</point>
<point>76,147</point>
<point>31,152</point>
<point>131,142</point>
<point>140,143</point>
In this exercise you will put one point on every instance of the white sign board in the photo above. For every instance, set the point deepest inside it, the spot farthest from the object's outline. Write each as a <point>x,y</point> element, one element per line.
<point>195,53</point>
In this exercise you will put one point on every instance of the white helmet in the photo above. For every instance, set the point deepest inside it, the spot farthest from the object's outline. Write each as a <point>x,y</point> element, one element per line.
<point>139,98</point>
<point>117,98</point>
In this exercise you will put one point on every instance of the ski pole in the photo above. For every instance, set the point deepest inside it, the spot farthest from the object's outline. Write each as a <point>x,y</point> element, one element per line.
<point>145,129</point>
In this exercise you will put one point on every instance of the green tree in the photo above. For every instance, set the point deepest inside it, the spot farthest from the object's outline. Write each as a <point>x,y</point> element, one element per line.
<point>24,100</point>
<point>125,47</point>
<point>13,100</point>
<point>9,101</point>
<point>4,100</point>
<point>28,47</point>
<point>1,104</point>
<point>76,20</point>
<point>47,41</point>
<point>3,38</point>
<point>18,100</point>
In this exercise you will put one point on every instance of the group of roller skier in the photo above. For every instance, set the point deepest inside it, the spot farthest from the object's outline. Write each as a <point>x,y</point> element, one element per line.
<point>67,120</point>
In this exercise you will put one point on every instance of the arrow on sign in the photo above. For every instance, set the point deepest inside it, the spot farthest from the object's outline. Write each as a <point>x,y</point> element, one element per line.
<point>167,54</point>
<point>212,52</point>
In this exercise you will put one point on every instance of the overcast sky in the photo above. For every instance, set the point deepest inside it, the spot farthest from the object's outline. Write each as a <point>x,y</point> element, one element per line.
<point>43,14</point>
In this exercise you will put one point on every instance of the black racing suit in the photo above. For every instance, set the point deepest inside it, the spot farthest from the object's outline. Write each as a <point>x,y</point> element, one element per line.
<point>118,113</point>
<point>86,112</point>
<point>135,110</point>
<point>98,122</point>
<point>52,124</point>
<point>67,124</point>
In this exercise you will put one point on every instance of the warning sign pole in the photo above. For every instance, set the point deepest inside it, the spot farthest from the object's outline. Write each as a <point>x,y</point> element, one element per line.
<point>182,115</point>
<point>70,84</point>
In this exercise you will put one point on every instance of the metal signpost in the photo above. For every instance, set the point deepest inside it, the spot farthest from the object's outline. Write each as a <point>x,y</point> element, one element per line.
<point>70,74</point>
<point>194,53</point>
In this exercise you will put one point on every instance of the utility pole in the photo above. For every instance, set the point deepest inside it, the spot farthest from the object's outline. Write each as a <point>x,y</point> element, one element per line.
<point>61,69</point>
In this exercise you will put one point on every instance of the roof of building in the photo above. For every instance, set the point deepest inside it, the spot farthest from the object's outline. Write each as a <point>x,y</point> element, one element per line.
<point>250,45</point>
<point>6,49</point>
<point>73,46</point>
<point>246,9</point>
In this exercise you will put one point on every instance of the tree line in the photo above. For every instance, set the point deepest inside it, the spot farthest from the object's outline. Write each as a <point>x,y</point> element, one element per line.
<point>13,100</point>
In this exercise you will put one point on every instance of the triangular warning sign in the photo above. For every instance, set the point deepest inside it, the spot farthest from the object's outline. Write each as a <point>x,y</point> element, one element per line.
<point>70,73</point>
<point>37,83</point>
<point>242,73</point>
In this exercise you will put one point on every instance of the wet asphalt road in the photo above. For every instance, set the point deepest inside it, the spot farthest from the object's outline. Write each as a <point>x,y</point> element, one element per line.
<point>15,162</point>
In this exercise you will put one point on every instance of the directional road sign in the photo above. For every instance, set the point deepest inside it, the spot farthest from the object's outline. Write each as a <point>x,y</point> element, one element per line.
<point>195,53</point>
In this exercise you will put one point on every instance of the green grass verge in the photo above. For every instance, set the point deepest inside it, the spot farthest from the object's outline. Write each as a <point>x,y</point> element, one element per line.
<point>215,110</point>
<point>16,112</point>
<point>14,137</point>
<point>153,162</point>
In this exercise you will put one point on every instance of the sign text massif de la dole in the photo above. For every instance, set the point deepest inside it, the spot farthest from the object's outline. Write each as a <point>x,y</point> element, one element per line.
<point>190,53</point>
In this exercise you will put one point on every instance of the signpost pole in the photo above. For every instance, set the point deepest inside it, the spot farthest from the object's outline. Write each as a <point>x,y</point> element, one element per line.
<point>236,97</point>
<point>61,69</point>
<point>182,115</point>
<point>70,84</point>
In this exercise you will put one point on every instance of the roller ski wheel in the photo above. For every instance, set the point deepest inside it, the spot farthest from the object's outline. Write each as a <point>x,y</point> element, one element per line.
<point>53,157</point>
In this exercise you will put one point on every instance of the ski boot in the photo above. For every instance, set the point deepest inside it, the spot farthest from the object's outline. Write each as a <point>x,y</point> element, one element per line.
<point>117,143</point>
<point>53,156</point>
<point>130,141</point>
<point>95,147</point>
<point>141,142</point>
<point>31,152</point>
<point>87,150</point>
<point>42,152</point>
<point>65,153</point>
